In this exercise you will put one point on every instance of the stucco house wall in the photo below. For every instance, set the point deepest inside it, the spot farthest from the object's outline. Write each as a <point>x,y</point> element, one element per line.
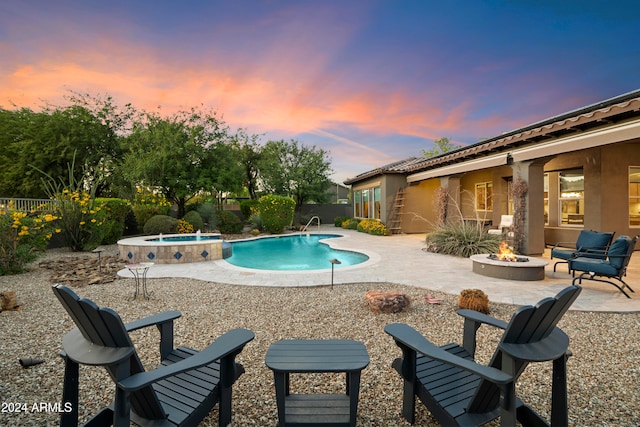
<point>419,213</point>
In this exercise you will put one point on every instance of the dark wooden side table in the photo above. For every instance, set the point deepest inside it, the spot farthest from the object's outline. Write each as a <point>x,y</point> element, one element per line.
<point>305,356</point>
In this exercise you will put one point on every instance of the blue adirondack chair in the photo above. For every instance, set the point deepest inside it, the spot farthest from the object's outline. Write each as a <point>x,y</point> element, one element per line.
<point>179,392</point>
<point>613,265</point>
<point>589,243</point>
<point>460,392</point>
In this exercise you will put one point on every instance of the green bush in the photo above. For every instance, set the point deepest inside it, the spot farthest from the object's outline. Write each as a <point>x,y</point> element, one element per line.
<point>161,224</point>
<point>337,221</point>
<point>194,218</point>
<point>115,212</point>
<point>248,208</point>
<point>208,214</point>
<point>462,239</point>
<point>372,226</point>
<point>229,223</point>
<point>276,212</point>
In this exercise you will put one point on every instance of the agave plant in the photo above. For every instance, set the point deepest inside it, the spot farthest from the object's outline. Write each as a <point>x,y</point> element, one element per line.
<point>463,239</point>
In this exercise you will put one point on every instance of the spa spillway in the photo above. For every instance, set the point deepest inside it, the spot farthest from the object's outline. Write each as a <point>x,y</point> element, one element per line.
<point>174,248</point>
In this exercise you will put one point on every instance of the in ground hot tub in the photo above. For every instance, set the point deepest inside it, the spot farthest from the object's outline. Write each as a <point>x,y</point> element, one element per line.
<point>174,248</point>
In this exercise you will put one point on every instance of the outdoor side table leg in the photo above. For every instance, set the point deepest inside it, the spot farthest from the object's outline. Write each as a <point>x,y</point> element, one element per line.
<point>144,283</point>
<point>136,277</point>
<point>281,381</point>
<point>353,390</point>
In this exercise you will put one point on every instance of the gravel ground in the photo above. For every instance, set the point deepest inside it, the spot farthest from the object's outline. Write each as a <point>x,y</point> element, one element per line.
<point>603,374</point>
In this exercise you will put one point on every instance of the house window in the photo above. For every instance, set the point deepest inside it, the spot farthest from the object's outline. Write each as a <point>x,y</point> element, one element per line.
<point>484,196</point>
<point>367,203</point>
<point>572,197</point>
<point>376,203</point>
<point>634,196</point>
<point>546,199</point>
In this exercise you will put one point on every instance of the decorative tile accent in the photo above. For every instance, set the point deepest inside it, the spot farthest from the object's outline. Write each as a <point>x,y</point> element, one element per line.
<point>151,255</point>
<point>130,255</point>
<point>177,255</point>
<point>204,254</point>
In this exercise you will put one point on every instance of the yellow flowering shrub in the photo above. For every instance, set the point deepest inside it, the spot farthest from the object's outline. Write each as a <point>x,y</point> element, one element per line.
<point>184,227</point>
<point>373,226</point>
<point>23,237</point>
<point>79,218</point>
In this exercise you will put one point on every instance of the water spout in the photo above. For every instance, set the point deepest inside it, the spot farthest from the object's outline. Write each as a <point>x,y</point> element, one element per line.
<point>198,235</point>
<point>160,237</point>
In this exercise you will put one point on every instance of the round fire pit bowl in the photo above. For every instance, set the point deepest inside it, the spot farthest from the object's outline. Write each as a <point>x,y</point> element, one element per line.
<point>532,269</point>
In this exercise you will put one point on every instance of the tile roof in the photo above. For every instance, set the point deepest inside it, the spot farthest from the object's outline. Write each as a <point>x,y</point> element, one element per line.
<point>601,114</point>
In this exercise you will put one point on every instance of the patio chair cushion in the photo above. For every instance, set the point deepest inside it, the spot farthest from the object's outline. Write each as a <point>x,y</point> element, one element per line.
<point>617,252</point>
<point>587,240</point>
<point>599,266</point>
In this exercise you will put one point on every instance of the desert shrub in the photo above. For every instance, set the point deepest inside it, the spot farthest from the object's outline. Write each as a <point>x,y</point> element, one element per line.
<point>337,221</point>
<point>351,224</point>
<point>463,239</point>
<point>161,224</point>
<point>229,223</point>
<point>115,213</point>
<point>194,218</point>
<point>276,212</point>
<point>248,208</point>
<point>208,214</point>
<point>372,226</point>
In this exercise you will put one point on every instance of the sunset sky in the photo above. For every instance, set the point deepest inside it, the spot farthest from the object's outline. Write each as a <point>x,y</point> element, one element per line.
<point>370,81</point>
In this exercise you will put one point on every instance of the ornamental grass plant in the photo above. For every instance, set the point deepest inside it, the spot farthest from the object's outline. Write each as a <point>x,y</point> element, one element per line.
<point>463,239</point>
<point>458,236</point>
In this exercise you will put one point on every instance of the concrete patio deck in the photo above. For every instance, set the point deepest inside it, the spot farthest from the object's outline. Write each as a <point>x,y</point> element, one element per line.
<point>401,259</point>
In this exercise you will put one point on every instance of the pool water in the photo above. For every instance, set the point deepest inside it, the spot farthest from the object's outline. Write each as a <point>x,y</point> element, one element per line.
<point>296,252</point>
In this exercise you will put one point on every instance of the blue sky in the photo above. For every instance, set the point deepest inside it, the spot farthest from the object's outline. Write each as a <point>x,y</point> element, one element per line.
<point>369,81</point>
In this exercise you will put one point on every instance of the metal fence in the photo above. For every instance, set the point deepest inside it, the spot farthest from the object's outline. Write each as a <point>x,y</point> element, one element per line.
<point>24,204</point>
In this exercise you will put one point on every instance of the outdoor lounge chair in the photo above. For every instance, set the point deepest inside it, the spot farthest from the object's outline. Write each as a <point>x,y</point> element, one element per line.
<point>180,392</point>
<point>460,392</point>
<point>613,265</point>
<point>590,243</point>
<point>504,228</point>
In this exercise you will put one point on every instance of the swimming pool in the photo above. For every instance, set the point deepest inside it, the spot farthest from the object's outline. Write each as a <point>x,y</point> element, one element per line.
<point>295,252</point>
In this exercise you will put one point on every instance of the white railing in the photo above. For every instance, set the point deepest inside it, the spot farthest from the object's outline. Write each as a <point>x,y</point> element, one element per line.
<point>310,221</point>
<point>24,204</point>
